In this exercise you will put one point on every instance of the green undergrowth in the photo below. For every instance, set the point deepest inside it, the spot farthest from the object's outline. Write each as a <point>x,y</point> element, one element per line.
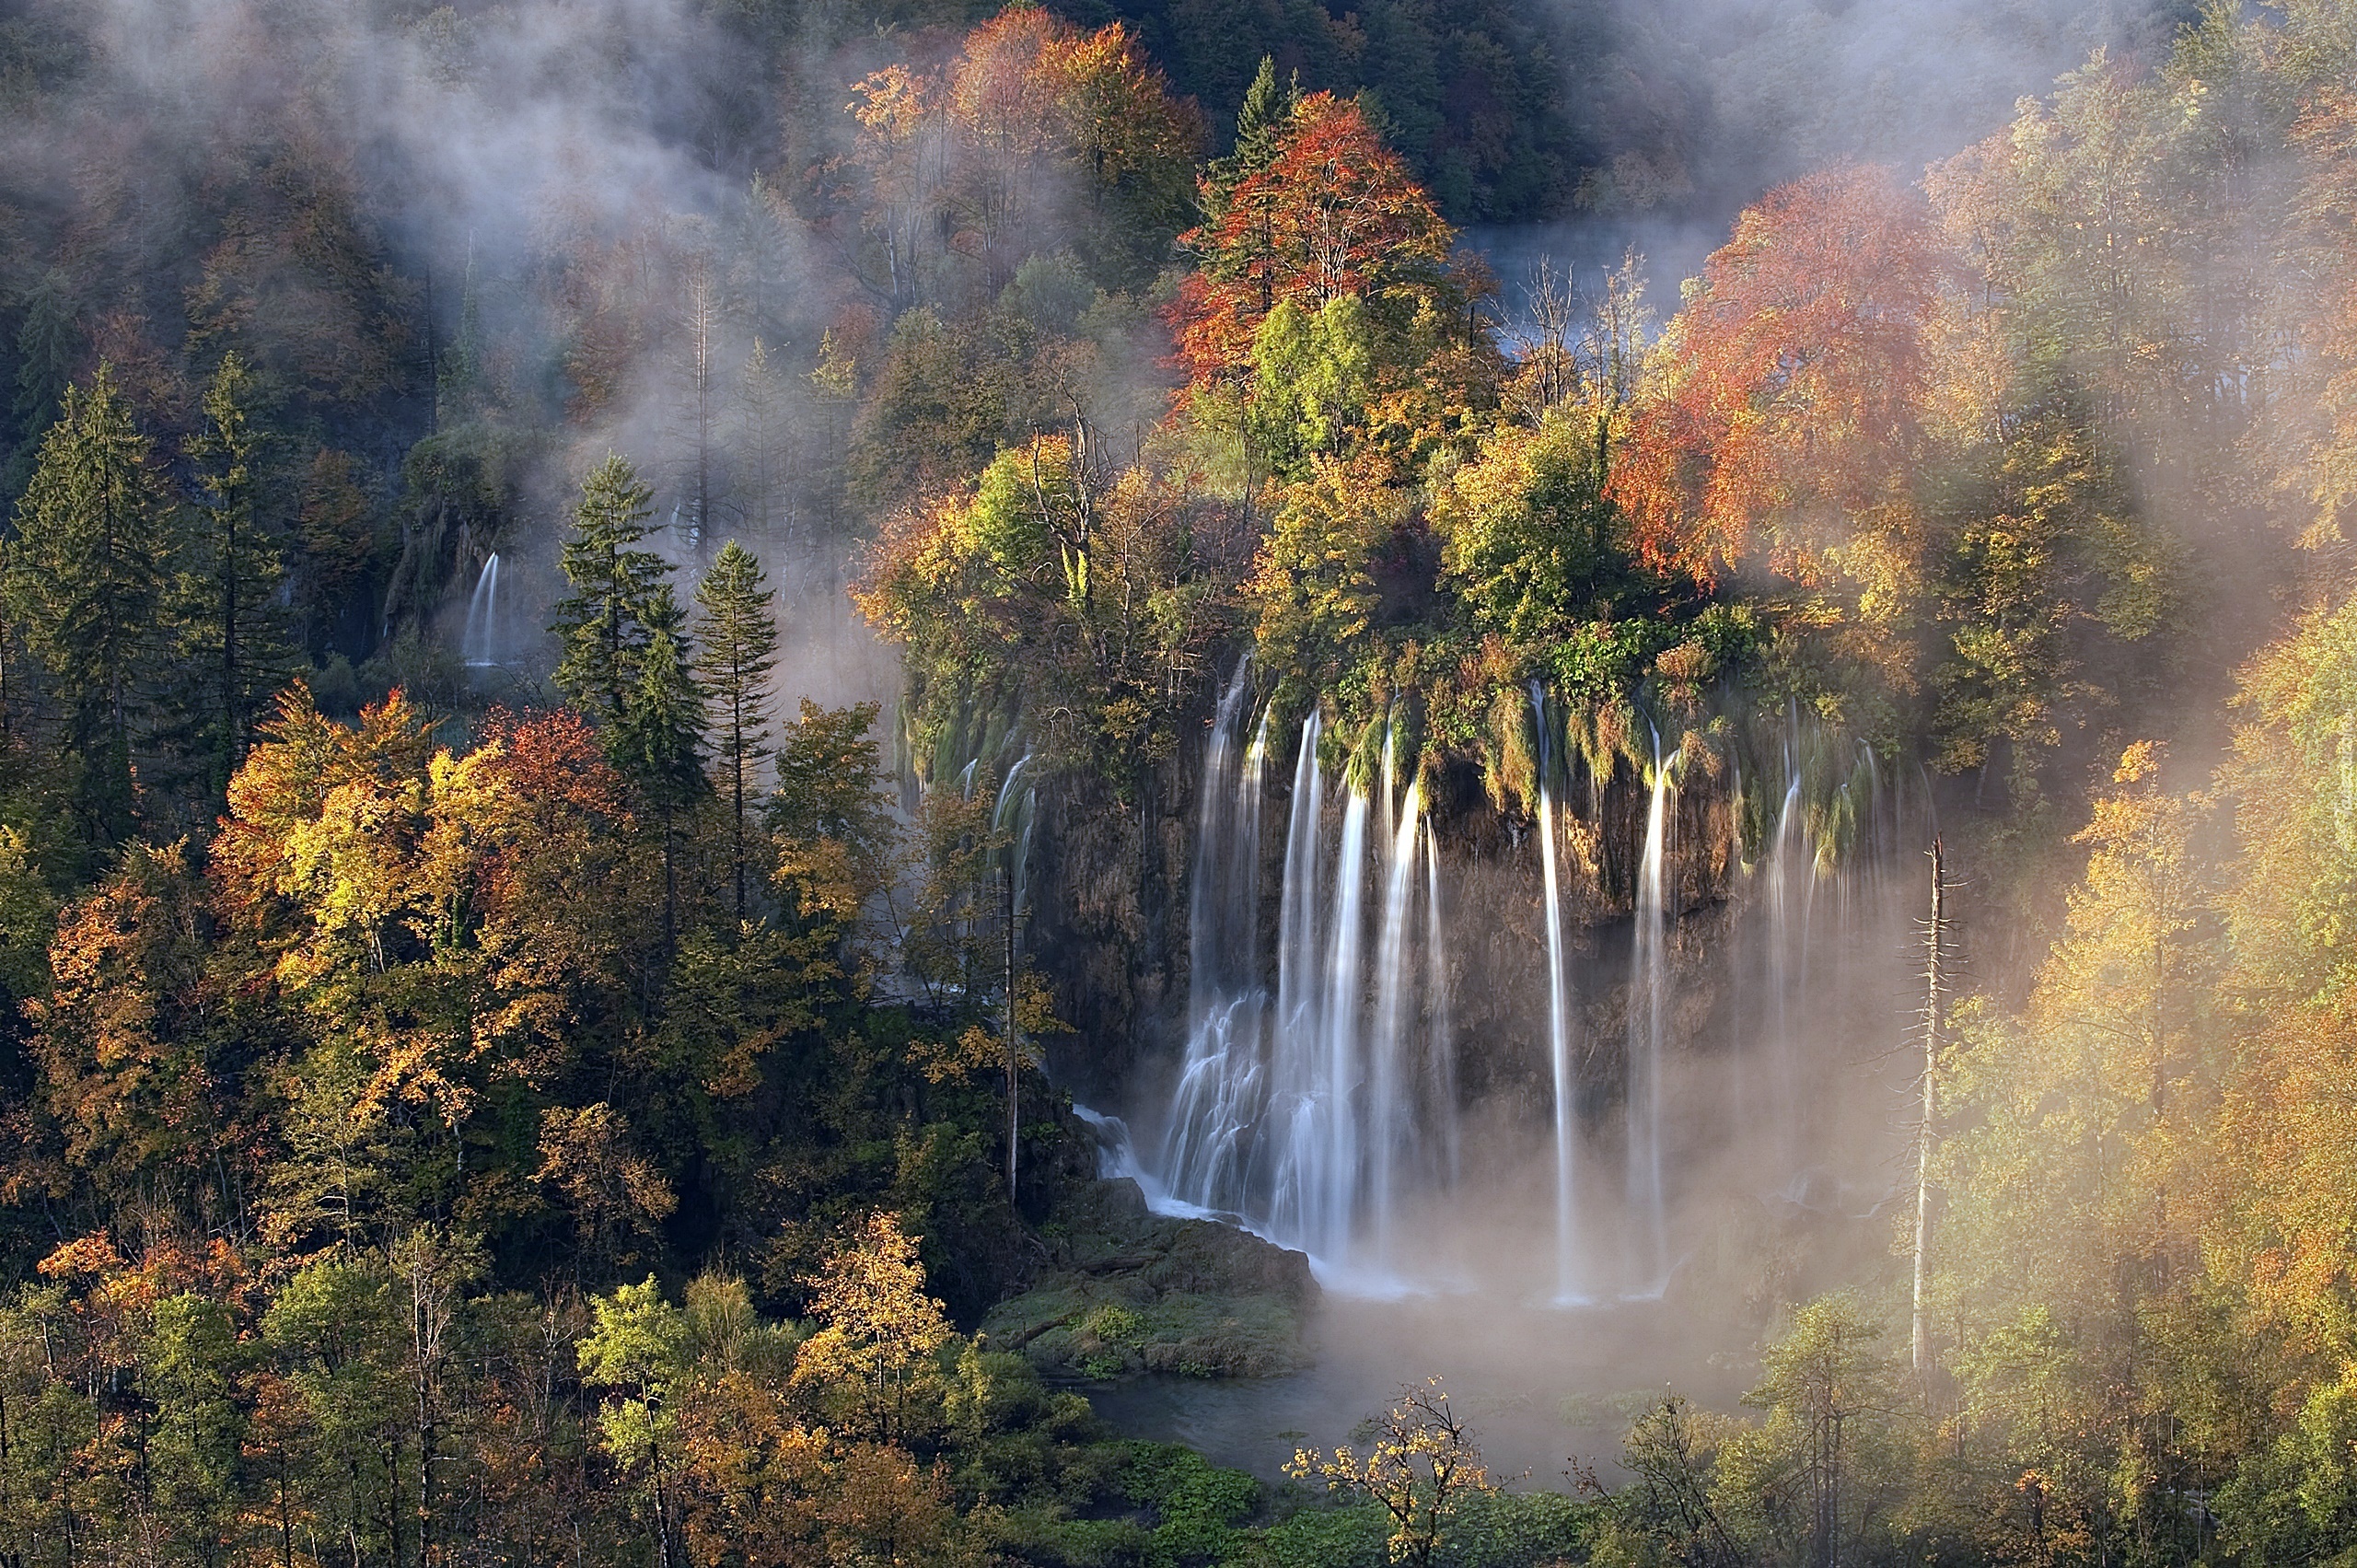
<point>1167,1507</point>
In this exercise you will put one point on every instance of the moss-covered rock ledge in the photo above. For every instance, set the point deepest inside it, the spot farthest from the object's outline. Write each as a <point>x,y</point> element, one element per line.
<point>1127,1291</point>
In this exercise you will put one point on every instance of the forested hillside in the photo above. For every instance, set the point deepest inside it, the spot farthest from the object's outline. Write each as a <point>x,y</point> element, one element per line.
<point>514,1052</point>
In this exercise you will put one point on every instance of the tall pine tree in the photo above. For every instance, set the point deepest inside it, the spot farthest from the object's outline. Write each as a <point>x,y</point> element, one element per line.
<point>236,635</point>
<point>85,583</point>
<point>1261,126</point>
<point>604,625</point>
<point>658,741</point>
<point>739,637</point>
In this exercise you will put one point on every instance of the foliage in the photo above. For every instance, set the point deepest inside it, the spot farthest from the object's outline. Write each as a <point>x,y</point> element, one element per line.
<point>1420,1465</point>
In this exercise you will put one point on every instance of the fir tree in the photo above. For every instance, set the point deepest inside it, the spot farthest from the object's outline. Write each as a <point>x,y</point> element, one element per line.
<point>84,586</point>
<point>1260,125</point>
<point>604,625</point>
<point>659,741</point>
<point>44,366</point>
<point>234,631</point>
<point>739,649</point>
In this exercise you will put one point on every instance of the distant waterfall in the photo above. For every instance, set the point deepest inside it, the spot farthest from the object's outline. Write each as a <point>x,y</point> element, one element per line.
<point>479,644</point>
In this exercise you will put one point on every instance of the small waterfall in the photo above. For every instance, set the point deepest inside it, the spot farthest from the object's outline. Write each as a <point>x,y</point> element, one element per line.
<point>1012,815</point>
<point>1648,1005</point>
<point>1333,1178</point>
<point>479,644</point>
<point>1390,1135</point>
<point>1784,1063</point>
<point>1559,1029</point>
<point>1443,1054</point>
<point>1294,1069</point>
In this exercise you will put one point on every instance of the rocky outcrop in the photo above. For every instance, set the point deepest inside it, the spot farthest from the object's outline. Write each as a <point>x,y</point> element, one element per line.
<point>1127,1292</point>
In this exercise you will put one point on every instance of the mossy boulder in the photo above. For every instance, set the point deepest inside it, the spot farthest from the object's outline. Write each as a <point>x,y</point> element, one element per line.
<point>1127,1291</point>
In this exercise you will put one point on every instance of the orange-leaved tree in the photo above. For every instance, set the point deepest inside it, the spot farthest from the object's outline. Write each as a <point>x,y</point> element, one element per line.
<point>1333,213</point>
<point>1786,406</point>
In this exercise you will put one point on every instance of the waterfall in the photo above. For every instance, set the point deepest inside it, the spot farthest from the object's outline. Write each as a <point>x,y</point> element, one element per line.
<point>1319,1099</point>
<point>1647,1007</point>
<point>1220,1092</point>
<point>1335,1143</point>
<point>479,644</point>
<point>1389,1133</point>
<point>1785,1068</point>
<point>1559,1031</point>
<point>1012,816</point>
<point>1443,1053</point>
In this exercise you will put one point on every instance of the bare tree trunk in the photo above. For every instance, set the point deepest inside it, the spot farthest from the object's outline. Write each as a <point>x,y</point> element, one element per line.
<point>1013,1047</point>
<point>1920,1339</point>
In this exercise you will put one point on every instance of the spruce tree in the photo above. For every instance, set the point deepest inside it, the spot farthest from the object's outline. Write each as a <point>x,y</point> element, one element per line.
<point>45,347</point>
<point>235,634</point>
<point>738,636</point>
<point>1268,111</point>
<point>604,625</point>
<point>658,741</point>
<point>85,583</point>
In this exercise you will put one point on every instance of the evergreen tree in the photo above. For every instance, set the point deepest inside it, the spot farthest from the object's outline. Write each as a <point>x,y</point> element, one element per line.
<point>1259,126</point>
<point>84,583</point>
<point>235,631</point>
<point>44,366</point>
<point>659,741</point>
<point>739,648</point>
<point>605,625</point>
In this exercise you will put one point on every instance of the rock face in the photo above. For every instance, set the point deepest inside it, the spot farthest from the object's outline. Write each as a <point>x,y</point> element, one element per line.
<point>1127,1292</point>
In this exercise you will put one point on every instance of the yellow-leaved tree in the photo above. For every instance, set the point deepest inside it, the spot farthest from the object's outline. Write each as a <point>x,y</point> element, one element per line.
<point>1421,1463</point>
<point>873,1364</point>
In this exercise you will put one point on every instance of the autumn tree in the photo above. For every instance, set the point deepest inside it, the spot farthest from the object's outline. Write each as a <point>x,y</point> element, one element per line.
<point>1784,427</point>
<point>871,1360</point>
<point>130,1072</point>
<point>1333,212</point>
<point>1421,1465</point>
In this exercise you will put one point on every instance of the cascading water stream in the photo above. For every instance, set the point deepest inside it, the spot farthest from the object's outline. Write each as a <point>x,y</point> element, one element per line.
<point>1220,1092</point>
<point>1647,1008</point>
<point>1334,1147</point>
<point>478,643</point>
<point>1441,1042</point>
<point>1388,1132</point>
<point>1559,1031</point>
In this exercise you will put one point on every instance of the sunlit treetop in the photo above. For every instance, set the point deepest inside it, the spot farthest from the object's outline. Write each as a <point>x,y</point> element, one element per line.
<point>1334,212</point>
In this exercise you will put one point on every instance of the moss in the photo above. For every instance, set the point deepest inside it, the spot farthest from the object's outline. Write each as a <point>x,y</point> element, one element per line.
<point>1131,1293</point>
